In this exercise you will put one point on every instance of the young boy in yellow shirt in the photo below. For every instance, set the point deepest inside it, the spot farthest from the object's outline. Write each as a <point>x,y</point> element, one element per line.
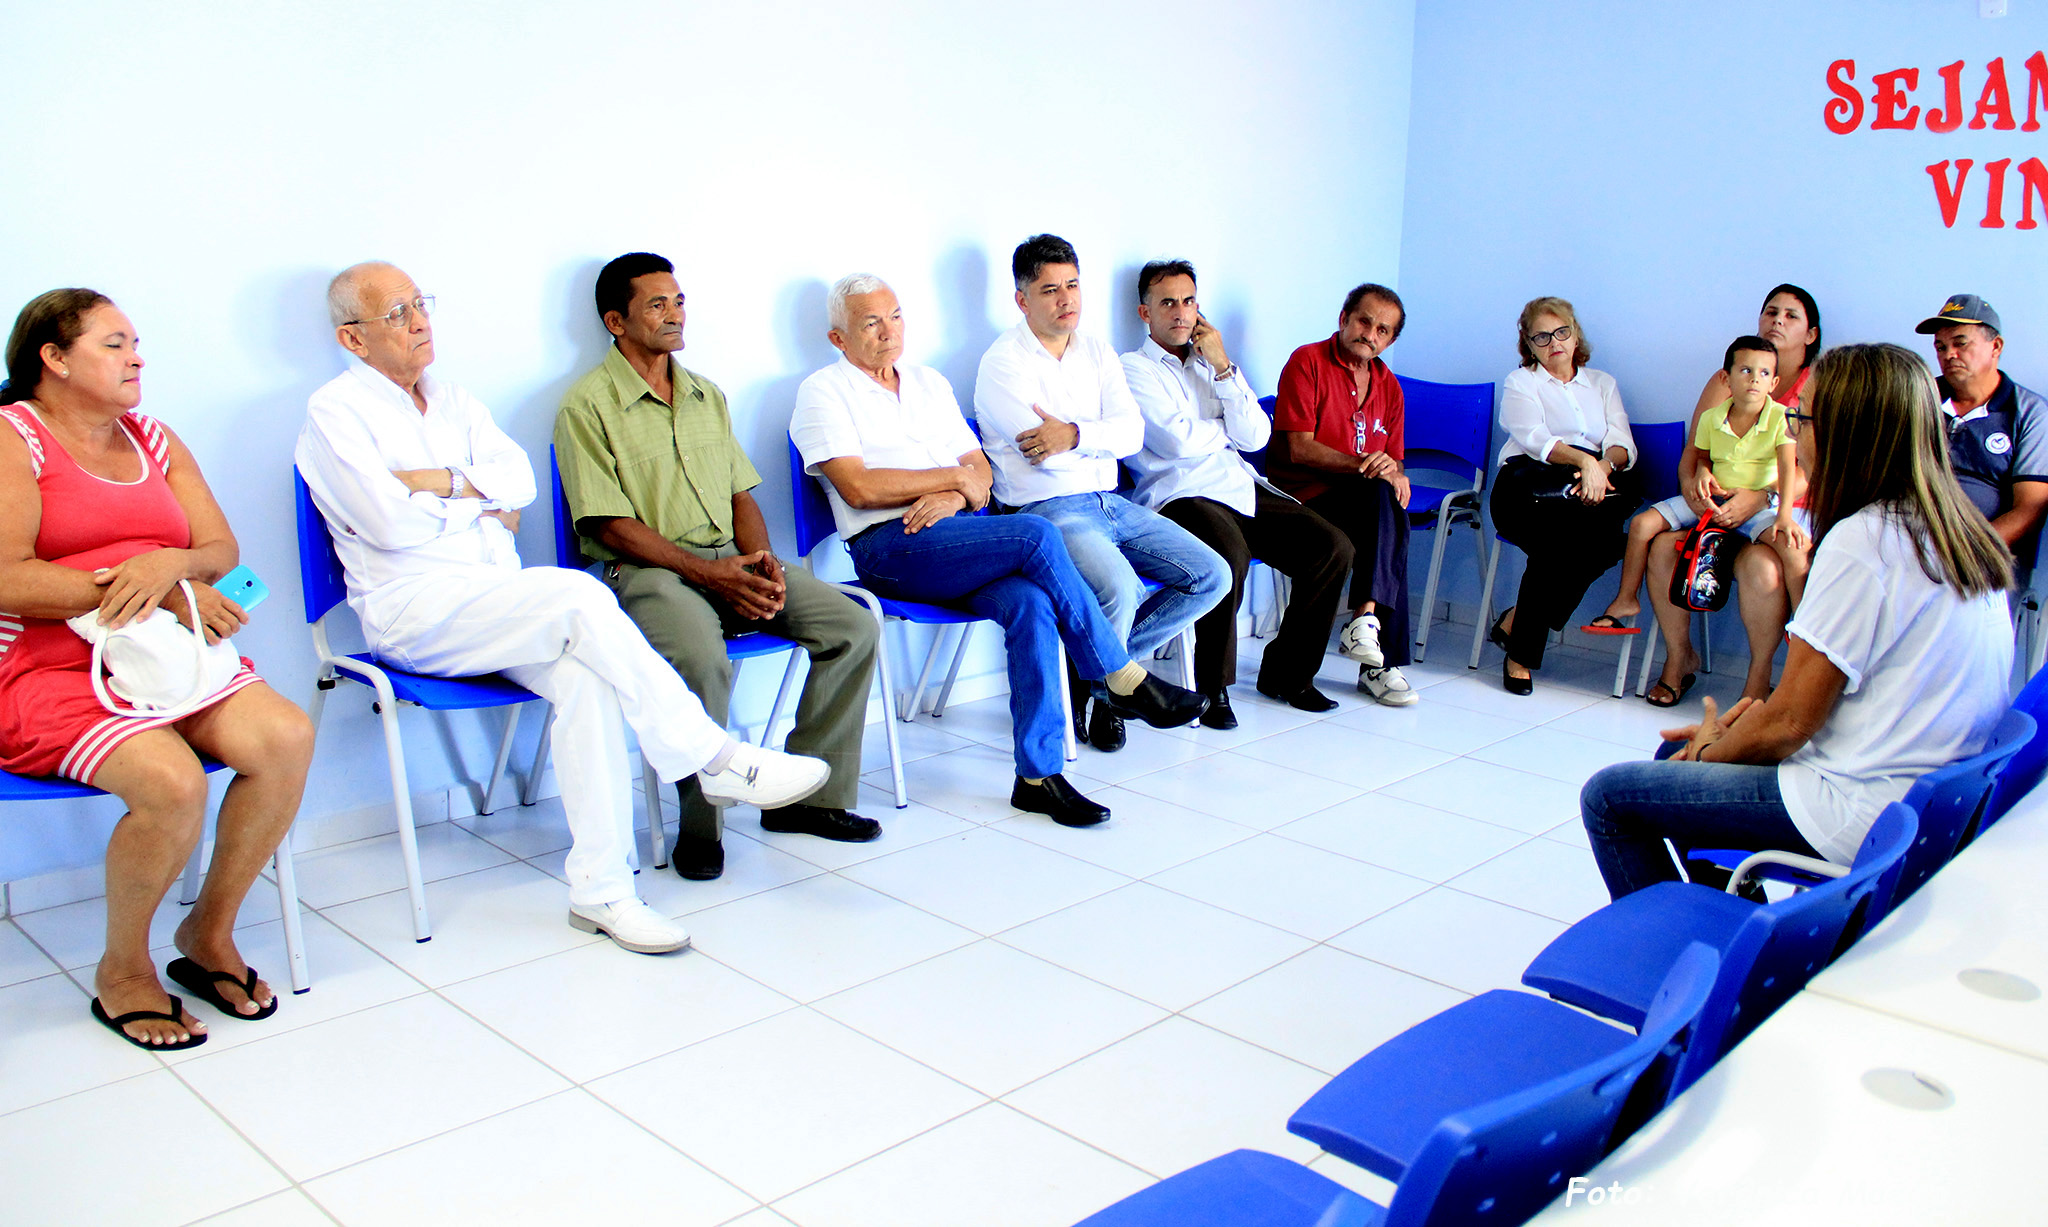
<point>1743,444</point>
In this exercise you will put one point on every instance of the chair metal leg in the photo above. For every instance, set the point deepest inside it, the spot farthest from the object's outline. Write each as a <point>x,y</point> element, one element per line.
<point>1251,598</point>
<point>529,792</point>
<point>1656,629</point>
<point>657,819</point>
<point>1485,604</point>
<point>288,905</point>
<point>1628,643</point>
<point>1436,566</point>
<point>910,710</point>
<point>781,694</point>
<point>888,723</point>
<point>953,671</point>
<point>1706,643</point>
<point>401,798</point>
<point>504,753</point>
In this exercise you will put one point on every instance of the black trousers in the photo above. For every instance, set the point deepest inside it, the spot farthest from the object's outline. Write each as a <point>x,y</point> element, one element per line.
<point>1366,511</point>
<point>1569,543</point>
<point>1291,539</point>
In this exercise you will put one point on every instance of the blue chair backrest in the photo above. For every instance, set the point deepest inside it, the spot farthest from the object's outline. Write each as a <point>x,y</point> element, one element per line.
<point>1785,944</point>
<point>1446,422</point>
<point>2030,763</point>
<point>1659,448</point>
<point>1502,1161</point>
<point>568,546</point>
<point>1950,799</point>
<point>812,509</point>
<point>320,574</point>
<point>1259,458</point>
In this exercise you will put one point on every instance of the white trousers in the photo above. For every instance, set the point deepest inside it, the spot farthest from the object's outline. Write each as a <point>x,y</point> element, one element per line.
<point>560,634</point>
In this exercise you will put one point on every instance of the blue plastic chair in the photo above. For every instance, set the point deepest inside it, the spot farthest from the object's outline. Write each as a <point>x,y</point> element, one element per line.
<point>738,649</point>
<point>1612,961</point>
<point>1245,1188</point>
<point>2029,763</point>
<point>1445,428</point>
<point>1482,1113</point>
<point>27,788</point>
<point>1947,801</point>
<point>325,586</point>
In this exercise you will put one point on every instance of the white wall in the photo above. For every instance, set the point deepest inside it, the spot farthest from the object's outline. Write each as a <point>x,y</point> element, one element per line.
<point>210,166</point>
<point>1663,166</point>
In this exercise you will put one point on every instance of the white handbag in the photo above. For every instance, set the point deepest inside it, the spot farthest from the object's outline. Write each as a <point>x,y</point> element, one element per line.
<point>162,668</point>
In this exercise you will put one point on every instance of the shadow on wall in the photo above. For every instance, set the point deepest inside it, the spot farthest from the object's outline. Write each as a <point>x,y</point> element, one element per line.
<point>761,413</point>
<point>571,295</point>
<point>962,278</point>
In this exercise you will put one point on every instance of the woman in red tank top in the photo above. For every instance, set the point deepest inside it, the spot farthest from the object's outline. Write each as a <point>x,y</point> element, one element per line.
<point>102,508</point>
<point>1768,579</point>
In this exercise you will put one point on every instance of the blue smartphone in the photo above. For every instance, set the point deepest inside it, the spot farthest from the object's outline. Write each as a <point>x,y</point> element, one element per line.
<point>243,588</point>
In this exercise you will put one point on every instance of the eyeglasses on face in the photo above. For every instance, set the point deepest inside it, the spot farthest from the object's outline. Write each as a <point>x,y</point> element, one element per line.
<point>1796,421</point>
<point>1537,340</point>
<point>401,315</point>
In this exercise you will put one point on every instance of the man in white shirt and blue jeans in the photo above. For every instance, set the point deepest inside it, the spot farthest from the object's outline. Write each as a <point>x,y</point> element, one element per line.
<point>1200,413</point>
<point>421,492</point>
<point>1055,415</point>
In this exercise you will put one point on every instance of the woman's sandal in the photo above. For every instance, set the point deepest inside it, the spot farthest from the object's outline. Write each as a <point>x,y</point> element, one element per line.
<point>1684,687</point>
<point>1608,624</point>
<point>176,1014</point>
<point>200,983</point>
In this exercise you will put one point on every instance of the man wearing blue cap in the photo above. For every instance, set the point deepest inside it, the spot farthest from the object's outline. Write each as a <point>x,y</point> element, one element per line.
<point>1997,430</point>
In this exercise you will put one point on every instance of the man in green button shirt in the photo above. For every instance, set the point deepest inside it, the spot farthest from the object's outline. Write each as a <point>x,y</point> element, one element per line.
<point>658,487</point>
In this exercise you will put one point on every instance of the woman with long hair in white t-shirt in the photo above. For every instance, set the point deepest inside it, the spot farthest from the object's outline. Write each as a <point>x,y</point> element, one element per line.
<point>1899,658</point>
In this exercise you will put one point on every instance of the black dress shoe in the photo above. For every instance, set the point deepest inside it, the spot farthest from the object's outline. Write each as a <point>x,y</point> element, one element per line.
<point>1162,705</point>
<point>822,822</point>
<point>1308,699</point>
<point>1056,799</point>
<point>697,859</point>
<point>1513,684</point>
<point>1105,729</point>
<point>1219,716</point>
<point>1498,633</point>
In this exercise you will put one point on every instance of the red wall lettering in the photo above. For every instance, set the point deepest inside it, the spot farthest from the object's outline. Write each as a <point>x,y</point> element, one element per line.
<point>1996,98</point>
<point>2033,183</point>
<point>1948,195</point>
<point>1844,111</point>
<point>2037,88</point>
<point>1949,116</point>
<point>1994,194</point>
<point>1886,98</point>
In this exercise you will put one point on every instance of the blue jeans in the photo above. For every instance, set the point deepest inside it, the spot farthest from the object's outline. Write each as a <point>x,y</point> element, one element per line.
<point>1015,571</point>
<point>1113,541</point>
<point>1630,809</point>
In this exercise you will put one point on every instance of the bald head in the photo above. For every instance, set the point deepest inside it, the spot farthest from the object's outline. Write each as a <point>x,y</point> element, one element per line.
<point>345,292</point>
<point>380,316</point>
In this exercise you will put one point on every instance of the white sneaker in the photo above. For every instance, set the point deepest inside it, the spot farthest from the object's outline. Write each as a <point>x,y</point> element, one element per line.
<point>1387,686</point>
<point>630,923</point>
<point>1361,641</point>
<point>762,778</point>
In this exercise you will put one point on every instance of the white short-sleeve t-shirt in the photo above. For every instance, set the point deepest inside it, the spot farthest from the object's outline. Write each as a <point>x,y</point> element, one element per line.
<point>1927,677</point>
<point>842,412</point>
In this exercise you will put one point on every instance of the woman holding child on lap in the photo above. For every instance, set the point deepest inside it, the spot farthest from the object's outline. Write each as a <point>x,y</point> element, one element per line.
<point>1768,580</point>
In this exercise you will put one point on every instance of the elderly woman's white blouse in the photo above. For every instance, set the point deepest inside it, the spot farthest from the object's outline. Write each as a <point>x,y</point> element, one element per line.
<point>1538,410</point>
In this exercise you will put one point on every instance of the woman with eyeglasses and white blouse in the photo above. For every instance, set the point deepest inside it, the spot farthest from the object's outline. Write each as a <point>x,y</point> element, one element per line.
<point>1567,483</point>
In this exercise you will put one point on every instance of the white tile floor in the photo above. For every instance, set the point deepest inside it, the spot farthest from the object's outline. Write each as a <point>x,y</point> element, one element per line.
<point>982,1018</point>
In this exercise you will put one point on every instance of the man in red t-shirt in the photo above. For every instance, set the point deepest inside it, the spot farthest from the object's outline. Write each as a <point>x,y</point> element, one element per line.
<point>1338,414</point>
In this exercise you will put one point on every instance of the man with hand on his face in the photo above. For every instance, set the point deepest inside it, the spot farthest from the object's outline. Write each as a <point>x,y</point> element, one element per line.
<point>421,492</point>
<point>900,467</point>
<point>658,487</point>
<point>1339,414</point>
<point>1055,416</point>
<point>1997,430</point>
<point>1199,414</point>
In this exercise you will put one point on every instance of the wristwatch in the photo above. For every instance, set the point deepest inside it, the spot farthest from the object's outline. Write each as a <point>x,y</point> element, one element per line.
<point>1228,370</point>
<point>455,483</point>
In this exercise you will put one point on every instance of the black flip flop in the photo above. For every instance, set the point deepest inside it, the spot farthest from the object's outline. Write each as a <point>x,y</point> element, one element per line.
<point>193,1039</point>
<point>200,983</point>
<point>1684,688</point>
<point>1608,624</point>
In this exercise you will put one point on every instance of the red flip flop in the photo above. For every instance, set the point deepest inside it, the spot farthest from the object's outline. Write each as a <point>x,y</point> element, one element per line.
<point>1608,624</point>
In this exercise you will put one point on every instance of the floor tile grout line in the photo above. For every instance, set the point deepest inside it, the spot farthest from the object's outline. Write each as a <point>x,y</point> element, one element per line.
<point>248,1141</point>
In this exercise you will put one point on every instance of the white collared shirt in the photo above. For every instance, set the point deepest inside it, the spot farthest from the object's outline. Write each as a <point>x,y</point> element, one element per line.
<point>360,426</point>
<point>1537,409</point>
<point>841,411</point>
<point>1084,386</point>
<point>1195,426</point>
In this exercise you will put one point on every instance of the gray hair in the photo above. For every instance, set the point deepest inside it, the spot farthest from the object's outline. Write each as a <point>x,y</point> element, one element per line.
<point>845,288</point>
<point>344,293</point>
